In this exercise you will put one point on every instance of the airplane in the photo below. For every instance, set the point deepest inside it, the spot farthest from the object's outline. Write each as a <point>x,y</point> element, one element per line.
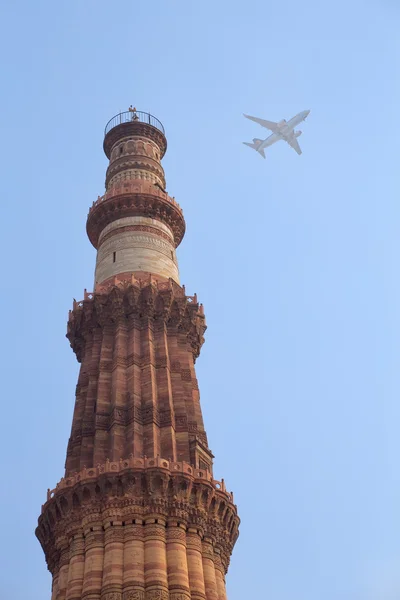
<point>284,130</point>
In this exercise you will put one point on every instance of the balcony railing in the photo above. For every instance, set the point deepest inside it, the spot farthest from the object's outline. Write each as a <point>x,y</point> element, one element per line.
<point>140,464</point>
<point>133,115</point>
<point>135,186</point>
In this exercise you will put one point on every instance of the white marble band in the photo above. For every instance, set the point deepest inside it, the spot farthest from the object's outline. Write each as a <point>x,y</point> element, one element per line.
<point>127,250</point>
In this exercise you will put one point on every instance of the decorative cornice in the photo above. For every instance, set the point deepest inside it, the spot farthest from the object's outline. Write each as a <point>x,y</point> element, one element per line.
<point>140,464</point>
<point>135,198</point>
<point>154,490</point>
<point>126,298</point>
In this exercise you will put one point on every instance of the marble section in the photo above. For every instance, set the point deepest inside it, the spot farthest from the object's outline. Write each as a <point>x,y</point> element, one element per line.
<point>128,221</point>
<point>129,251</point>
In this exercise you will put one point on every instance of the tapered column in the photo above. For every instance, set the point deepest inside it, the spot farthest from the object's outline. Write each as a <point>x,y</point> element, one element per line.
<point>94,556</point>
<point>177,354</point>
<point>209,570</point>
<point>165,404</point>
<point>219,576</point>
<point>138,514</point>
<point>195,565</point>
<point>177,568</point>
<point>88,427</point>
<point>155,560</point>
<point>103,404</point>
<point>133,582</point>
<point>54,587</point>
<point>76,568</point>
<point>134,427</point>
<point>113,560</point>
<point>151,441</point>
<point>118,392</point>
<point>72,462</point>
<point>63,572</point>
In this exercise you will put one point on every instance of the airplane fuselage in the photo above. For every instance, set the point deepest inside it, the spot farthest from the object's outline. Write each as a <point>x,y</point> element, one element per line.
<point>285,130</point>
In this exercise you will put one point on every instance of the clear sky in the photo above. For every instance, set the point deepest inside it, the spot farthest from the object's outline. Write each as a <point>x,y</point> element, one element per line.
<point>296,259</point>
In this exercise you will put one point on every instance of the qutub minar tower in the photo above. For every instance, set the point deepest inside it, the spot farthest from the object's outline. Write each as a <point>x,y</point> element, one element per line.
<point>138,514</point>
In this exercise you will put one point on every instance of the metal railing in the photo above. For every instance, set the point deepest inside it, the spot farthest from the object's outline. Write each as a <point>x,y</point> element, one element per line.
<point>133,115</point>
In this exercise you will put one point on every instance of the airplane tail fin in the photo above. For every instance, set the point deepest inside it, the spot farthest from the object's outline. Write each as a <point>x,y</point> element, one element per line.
<point>256,145</point>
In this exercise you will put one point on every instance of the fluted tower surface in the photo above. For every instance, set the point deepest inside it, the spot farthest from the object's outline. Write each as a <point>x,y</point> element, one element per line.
<point>138,514</point>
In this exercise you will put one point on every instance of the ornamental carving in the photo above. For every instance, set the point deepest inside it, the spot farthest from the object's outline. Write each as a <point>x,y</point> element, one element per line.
<point>176,491</point>
<point>134,532</point>
<point>129,167</point>
<point>114,534</point>
<point>165,417</point>
<point>134,595</point>
<point>111,596</point>
<point>131,204</point>
<point>176,534</point>
<point>118,416</point>
<point>157,595</point>
<point>186,375</point>
<point>181,422</point>
<point>207,550</point>
<point>64,557</point>
<point>133,172</point>
<point>192,426</point>
<point>94,540</point>
<point>178,311</point>
<point>77,547</point>
<point>135,146</point>
<point>193,541</point>
<point>154,531</point>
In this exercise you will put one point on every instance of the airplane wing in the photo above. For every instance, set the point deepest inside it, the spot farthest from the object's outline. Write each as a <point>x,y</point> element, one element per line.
<point>268,124</point>
<point>294,144</point>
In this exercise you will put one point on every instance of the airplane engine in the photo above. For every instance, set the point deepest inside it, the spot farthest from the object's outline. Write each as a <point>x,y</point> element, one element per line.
<point>281,123</point>
<point>297,134</point>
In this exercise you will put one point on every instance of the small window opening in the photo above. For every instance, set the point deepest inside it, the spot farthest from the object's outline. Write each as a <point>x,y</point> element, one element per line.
<point>114,256</point>
<point>121,149</point>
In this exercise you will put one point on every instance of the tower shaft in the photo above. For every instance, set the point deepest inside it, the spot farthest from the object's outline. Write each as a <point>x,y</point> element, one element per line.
<point>138,514</point>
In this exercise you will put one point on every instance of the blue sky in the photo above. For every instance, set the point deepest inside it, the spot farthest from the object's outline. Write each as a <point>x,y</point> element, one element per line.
<point>296,260</point>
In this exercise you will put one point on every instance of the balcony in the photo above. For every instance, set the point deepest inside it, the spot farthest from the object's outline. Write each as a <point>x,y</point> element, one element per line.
<point>132,116</point>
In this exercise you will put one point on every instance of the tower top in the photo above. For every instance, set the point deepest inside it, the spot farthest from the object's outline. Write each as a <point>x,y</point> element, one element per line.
<point>134,122</point>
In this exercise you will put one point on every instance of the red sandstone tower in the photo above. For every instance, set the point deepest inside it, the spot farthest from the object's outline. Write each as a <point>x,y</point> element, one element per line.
<point>138,514</point>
